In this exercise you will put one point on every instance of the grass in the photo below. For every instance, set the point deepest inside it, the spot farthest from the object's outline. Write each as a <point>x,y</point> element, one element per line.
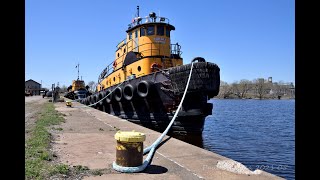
<point>96,172</point>
<point>38,156</point>
<point>58,129</point>
<point>60,169</point>
<point>37,153</point>
<point>80,168</point>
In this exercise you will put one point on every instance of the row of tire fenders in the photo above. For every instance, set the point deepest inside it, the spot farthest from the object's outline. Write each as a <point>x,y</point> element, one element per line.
<point>125,93</point>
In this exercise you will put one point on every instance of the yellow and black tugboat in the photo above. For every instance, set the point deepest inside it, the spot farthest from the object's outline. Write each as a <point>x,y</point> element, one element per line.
<point>147,80</point>
<point>77,90</point>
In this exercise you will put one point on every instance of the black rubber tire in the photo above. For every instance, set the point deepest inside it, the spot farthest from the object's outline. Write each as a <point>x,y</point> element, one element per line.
<point>89,100</point>
<point>109,98</point>
<point>100,96</point>
<point>199,59</point>
<point>86,101</point>
<point>96,98</point>
<point>128,92</point>
<point>103,96</point>
<point>144,88</point>
<point>205,77</point>
<point>93,99</point>
<point>118,94</point>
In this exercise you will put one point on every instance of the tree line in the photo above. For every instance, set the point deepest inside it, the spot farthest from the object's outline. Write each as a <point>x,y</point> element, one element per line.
<point>256,89</point>
<point>244,89</point>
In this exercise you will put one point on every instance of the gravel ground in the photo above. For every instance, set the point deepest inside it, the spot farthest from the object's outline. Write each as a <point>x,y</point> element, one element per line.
<point>33,106</point>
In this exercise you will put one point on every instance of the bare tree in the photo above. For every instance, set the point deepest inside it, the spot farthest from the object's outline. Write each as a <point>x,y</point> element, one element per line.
<point>235,88</point>
<point>92,86</point>
<point>63,89</point>
<point>225,90</point>
<point>277,89</point>
<point>260,87</point>
<point>284,88</point>
<point>243,87</point>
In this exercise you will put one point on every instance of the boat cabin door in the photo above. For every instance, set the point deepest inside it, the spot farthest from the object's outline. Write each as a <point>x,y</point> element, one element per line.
<point>136,41</point>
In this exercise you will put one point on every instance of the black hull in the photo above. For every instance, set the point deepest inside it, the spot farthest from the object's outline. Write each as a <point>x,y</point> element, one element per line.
<point>72,95</point>
<point>151,100</point>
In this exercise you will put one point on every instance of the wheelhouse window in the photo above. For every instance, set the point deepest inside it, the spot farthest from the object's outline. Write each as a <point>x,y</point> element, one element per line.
<point>160,30</point>
<point>167,31</point>
<point>150,30</point>
<point>130,35</point>
<point>136,34</point>
<point>142,32</point>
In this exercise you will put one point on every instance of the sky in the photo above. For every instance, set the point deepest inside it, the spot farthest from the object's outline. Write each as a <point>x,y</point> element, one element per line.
<point>247,39</point>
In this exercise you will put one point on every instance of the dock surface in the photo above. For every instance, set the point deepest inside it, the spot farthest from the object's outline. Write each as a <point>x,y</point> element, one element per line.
<point>87,139</point>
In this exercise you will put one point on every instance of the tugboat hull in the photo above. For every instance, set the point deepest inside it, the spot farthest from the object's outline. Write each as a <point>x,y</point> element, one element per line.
<point>152,100</point>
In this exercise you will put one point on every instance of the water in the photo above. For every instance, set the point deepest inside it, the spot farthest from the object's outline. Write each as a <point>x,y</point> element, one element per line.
<point>258,133</point>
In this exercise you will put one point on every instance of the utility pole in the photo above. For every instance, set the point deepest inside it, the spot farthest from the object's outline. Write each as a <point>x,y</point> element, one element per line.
<point>52,92</point>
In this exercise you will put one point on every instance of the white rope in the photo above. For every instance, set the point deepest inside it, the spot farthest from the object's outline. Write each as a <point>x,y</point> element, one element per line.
<point>100,99</point>
<point>153,147</point>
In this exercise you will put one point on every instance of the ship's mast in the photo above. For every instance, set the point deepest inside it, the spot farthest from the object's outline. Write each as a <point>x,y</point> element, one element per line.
<point>138,14</point>
<point>137,11</point>
<point>78,71</point>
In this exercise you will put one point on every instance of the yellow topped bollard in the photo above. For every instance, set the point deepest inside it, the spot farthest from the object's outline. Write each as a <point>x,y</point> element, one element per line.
<point>68,103</point>
<point>129,148</point>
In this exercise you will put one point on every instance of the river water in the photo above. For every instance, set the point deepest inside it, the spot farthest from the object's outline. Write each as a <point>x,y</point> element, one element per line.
<point>258,133</point>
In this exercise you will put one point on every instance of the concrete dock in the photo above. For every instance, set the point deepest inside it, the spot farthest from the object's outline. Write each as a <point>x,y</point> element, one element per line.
<point>87,139</point>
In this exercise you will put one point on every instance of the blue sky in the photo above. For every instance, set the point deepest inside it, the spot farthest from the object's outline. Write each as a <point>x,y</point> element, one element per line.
<point>247,39</point>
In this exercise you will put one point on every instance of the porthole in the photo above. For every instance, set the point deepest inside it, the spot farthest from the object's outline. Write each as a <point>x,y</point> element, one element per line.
<point>118,54</point>
<point>139,68</point>
<point>114,78</point>
<point>124,50</point>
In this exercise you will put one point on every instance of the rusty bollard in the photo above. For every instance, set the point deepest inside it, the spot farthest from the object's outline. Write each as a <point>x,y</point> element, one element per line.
<point>129,149</point>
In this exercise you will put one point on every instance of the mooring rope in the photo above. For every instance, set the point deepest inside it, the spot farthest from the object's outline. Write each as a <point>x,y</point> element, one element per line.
<point>151,149</point>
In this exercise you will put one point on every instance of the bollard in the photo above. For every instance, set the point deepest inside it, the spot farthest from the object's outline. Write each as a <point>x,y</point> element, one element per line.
<point>68,103</point>
<point>129,149</point>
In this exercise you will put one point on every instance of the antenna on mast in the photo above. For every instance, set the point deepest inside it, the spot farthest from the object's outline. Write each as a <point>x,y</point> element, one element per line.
<point>138,11</point>
<point>78,70</point>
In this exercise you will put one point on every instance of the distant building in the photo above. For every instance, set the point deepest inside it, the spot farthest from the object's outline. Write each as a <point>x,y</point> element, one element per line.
<point>32,87</point>
<point>261,80</point>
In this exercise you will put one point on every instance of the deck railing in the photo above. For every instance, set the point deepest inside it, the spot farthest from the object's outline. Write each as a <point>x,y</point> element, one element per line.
<point>174,49</point>
<point>139,20</point>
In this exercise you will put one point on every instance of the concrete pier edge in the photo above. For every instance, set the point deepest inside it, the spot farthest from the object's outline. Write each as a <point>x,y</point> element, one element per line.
<point>175,159</point>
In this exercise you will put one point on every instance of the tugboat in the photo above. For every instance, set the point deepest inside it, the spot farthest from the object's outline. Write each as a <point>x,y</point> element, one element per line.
<point>78,90</point>
<point>147,79</point>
